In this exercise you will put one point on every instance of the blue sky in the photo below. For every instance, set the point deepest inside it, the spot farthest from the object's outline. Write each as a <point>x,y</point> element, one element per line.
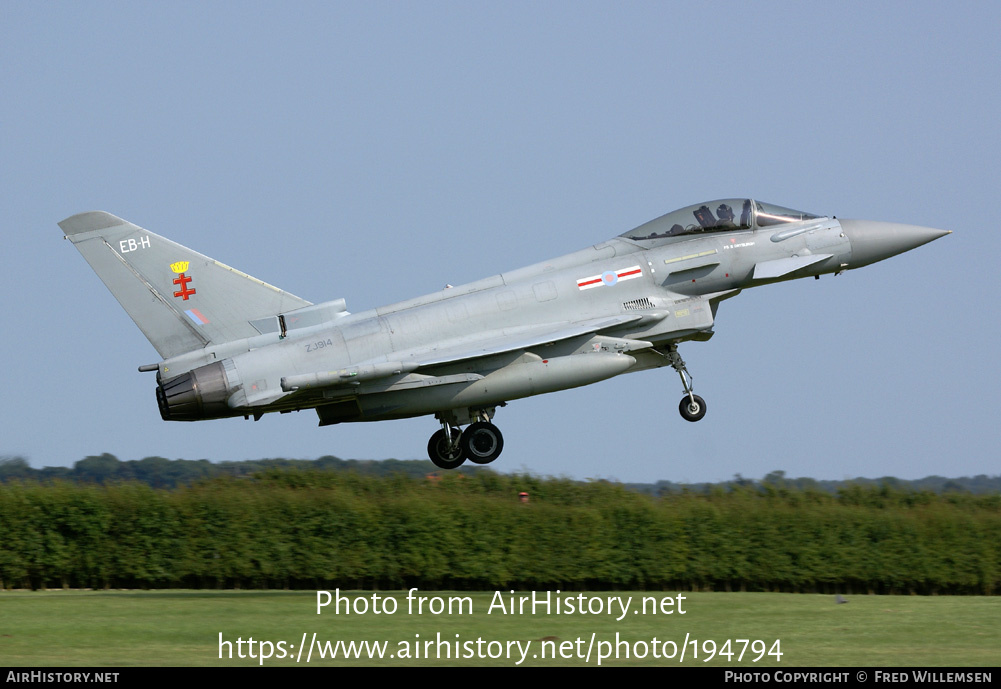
<point>376,151</point>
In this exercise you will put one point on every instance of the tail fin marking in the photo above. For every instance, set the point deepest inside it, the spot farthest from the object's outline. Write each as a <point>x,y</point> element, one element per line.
<point>180,299</point>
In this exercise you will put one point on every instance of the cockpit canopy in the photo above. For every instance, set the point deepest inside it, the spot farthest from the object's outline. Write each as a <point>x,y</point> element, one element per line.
<point>723,215</point>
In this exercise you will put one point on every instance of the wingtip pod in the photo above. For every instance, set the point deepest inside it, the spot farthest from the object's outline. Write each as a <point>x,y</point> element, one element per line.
<point>91,221</point>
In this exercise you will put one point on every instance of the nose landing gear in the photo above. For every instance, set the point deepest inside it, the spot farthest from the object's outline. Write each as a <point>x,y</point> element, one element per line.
<point>692,407</point>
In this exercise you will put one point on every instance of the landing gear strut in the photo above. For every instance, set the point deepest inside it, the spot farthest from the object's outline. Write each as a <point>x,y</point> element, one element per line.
<point>480,443</point>
<point>692,407</point>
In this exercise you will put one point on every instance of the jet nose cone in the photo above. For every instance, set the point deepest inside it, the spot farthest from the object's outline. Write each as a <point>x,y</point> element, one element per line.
<point>873,241</point>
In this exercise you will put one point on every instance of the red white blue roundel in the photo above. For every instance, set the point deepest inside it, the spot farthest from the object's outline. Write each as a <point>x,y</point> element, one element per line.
<point>609,277</point>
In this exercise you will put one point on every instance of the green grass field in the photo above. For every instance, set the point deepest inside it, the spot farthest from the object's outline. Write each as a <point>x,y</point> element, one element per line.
<point>126,628</point>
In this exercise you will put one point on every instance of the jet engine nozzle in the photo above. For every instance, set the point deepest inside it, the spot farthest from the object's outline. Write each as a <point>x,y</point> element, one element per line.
<point>873,241</point>
<point>200,393</point>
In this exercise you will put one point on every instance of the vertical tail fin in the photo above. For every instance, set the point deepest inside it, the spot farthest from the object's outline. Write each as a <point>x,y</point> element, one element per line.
<point>180,299</point>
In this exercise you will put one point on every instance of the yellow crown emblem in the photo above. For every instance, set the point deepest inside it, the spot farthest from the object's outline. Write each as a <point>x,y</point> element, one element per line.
<point>179,267</point>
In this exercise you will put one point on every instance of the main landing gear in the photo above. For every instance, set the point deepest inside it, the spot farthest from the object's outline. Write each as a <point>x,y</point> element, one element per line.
<point>480,443</point>
<point>444,448</point>
<point>692,407</point>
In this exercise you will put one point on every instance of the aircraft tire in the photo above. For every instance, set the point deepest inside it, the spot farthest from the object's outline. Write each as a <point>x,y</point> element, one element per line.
<point>482,442</point>
<point>692,412</point>
<point>439,454</point>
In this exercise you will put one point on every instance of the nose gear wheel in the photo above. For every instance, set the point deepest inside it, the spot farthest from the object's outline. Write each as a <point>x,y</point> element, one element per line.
<point>692,407</point>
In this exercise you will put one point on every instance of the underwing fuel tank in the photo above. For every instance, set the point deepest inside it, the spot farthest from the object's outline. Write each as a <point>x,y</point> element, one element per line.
<point>533,376</point>
<point>540,375</point>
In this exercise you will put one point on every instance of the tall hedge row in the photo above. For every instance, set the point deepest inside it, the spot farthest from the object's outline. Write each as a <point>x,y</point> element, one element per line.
<point>324,530</point>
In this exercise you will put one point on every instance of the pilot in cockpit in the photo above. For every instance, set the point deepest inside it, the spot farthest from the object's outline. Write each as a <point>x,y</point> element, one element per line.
<point>726,216</point>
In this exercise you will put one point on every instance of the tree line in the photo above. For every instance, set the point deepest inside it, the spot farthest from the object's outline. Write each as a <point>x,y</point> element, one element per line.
<point>292,528</point>
<point>160,472</point>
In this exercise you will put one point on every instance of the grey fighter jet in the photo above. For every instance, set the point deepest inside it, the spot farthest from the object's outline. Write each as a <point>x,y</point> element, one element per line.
<point>235,346</point>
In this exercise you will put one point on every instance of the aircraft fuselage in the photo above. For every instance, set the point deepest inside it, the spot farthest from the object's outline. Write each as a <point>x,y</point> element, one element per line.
<point>234,346</point>
<point>672,291</point>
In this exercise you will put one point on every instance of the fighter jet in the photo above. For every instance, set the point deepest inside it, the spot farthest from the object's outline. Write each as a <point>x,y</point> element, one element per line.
<point>232,345</point>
